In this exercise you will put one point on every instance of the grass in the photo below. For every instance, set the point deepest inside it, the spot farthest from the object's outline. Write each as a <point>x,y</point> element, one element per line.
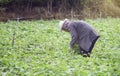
<point>38,48</point>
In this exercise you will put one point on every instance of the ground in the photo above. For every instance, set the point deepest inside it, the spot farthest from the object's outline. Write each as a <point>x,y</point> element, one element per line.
<point>39,48</point>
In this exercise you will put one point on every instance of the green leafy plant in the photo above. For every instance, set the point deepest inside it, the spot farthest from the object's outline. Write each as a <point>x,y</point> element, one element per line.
<point>40,49</point>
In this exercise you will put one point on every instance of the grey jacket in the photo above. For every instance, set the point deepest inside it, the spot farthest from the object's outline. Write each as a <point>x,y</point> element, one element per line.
<point>83,34</point>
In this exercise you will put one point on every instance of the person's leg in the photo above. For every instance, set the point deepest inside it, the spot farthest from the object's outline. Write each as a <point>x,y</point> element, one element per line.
<point>84,53</point>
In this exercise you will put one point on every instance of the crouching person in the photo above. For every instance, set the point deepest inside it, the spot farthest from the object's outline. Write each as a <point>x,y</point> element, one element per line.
<point>82,34</point>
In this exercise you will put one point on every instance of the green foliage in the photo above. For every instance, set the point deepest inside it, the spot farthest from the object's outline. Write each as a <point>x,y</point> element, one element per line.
<point>40,49</point>
<point>59,9</point>
<point>5,1</point>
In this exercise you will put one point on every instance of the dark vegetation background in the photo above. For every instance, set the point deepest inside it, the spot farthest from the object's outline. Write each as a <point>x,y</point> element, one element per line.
<point>58,9</point>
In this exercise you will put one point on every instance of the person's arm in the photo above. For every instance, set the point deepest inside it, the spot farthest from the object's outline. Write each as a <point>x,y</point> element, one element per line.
<point>74,36</point>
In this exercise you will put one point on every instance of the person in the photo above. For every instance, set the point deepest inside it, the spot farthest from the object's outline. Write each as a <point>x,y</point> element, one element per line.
<point>82,34</point>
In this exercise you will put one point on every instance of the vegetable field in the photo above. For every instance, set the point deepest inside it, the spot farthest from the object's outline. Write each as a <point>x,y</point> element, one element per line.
<point>39,48</point>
